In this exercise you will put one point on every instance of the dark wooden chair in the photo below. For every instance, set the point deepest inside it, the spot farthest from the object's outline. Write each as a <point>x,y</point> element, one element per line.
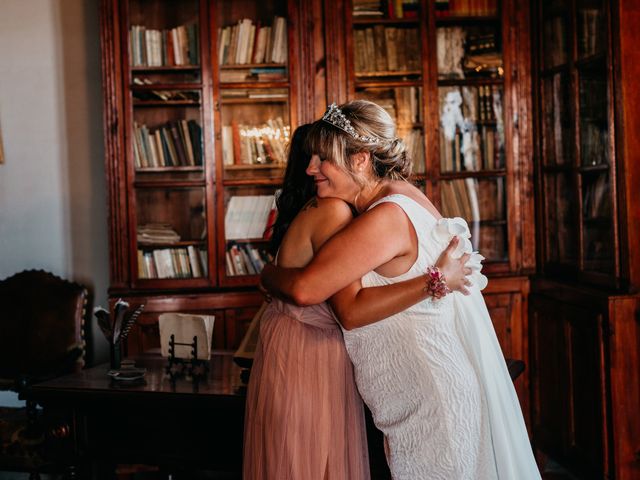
<point>41,337</point>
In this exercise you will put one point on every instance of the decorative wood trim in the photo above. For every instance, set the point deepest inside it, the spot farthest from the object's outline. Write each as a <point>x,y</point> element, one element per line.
<point>627,98</point>
<point>338,82</point>
<point>114,143</point>
<point>624,351</point>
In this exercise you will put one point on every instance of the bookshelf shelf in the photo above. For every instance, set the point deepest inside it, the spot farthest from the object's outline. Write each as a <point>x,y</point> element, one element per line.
<point>243,66</point>
<point>473,174</point>
<point>165,103</point>
<point>387,83</point>
<point>249,240</point>
<point>603,167</point>
<point>165,86</point>
<point>446,21</point>
<point>169,169</point>
<point>168,183</point>
<point>455,82</point>
<point>266,166</point>
<point>184,243</point>
<point>165,68</point>
<point>240,101</point>
<point>164,284</point>
<point>254,85</point>
<point>385,21</point>
<point>393,73</point>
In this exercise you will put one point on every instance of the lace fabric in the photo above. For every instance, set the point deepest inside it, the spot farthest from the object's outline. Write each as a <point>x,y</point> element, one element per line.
<point>435,378</point>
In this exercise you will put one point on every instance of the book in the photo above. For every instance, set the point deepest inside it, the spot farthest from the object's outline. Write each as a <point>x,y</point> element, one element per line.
<point>184,327</point>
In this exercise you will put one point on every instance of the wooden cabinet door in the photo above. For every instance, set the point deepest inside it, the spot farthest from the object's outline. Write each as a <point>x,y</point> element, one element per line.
<point>585,422</point>
<point>549,376</point>
<point>568,384</point>
<point>509,322</point>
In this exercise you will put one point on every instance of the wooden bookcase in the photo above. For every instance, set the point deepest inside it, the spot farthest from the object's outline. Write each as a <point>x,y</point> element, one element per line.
<point>481,90</point>
<point>584,304</point>
<point>196,134</point>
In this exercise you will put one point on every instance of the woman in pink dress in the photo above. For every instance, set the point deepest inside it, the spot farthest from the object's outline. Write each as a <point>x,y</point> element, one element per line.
<point>304,416</point>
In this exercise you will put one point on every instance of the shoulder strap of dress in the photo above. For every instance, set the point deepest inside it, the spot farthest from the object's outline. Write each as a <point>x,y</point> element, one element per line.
<point>394,197</point>
<point>411,208</point>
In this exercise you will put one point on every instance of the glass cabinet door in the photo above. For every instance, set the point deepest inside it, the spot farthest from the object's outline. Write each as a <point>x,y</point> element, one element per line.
<point>166,147</point>
<point>577,158</point>
<point>255,113</point>
<point>386,67</point>
<point>472,161</point>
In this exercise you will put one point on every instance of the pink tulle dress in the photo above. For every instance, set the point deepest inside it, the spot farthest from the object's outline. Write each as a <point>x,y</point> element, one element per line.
<point>304,417</point>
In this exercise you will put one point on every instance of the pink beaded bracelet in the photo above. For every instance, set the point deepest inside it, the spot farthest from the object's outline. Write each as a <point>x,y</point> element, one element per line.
<point>436,285</point>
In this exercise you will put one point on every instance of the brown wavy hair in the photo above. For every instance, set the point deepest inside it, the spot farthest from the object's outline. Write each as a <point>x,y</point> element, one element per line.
<point>297,187</point>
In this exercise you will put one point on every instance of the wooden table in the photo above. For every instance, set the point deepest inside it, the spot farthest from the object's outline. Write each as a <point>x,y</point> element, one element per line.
<point>179,426</point>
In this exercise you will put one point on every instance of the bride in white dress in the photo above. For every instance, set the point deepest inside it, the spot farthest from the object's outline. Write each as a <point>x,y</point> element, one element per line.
<point>433,375</point>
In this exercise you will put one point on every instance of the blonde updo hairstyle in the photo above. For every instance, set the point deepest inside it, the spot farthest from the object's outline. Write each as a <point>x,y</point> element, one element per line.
<point>389,159</point>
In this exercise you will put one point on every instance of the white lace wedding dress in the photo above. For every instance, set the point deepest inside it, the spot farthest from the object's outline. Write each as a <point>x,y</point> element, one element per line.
<point>434,376</point>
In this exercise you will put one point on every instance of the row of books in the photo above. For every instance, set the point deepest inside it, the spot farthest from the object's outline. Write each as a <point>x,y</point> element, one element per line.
<point>255,144</point>
<point>471,104</point>
<point>464,53</point>
<point>189,262</point>
<point>594,143</point>
<point>594,131</point>
<point>597,198</point>
<point>386,49</point>
<point>154,233</point>
<point>463,8</point>
<point>247,42</point>
<point>555,41</point>
<point>386,8</point>
<point>484,152</point>
<point>256,74</point>
<point>249,216</point>
<point>482,42</point>
<point>473,200</point>
<point>414,140</point>
<point>276,95</point>
<point>489,103</point>
<point>403,104</point>
<point>244,259</point>
<point>156,48</point>
<point>556,138</point>
<point>174,144</point>
<point>478,203</point>
<point>591,31</point>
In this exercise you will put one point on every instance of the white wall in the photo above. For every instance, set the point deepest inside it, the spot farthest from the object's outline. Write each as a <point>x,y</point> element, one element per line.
<point>53,208</point>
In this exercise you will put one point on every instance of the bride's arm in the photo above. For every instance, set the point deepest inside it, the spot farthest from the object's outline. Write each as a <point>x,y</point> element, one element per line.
<point>356,306</point>
<point>371,240</point>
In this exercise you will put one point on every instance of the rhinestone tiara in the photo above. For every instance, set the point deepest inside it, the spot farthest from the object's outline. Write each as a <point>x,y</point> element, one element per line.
<point>335,117</point>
